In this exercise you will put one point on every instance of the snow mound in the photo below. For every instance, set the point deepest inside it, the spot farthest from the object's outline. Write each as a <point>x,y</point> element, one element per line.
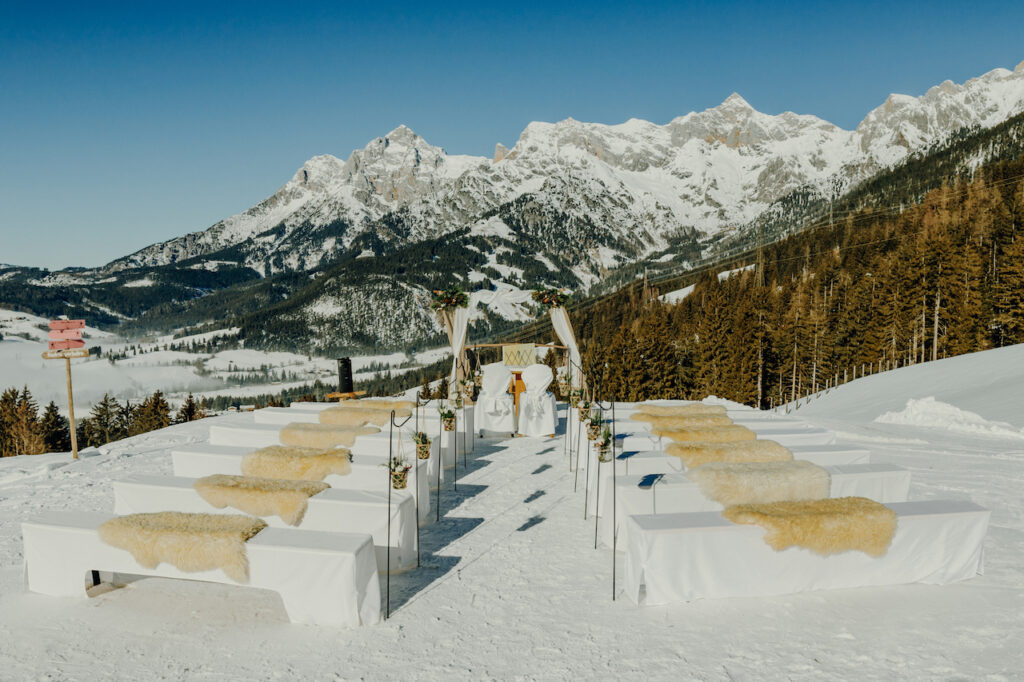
<point>935,414</point>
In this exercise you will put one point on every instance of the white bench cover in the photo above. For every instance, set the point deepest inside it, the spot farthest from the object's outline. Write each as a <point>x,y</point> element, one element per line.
<point>682,557</point>
<point>369,472</point>
<point>323,578</point>
<point>675,493</point>
<point>333,510</point>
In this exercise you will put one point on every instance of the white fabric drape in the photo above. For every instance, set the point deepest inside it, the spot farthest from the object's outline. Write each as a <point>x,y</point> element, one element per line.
<point>563,328</point>
<point>460,324</point>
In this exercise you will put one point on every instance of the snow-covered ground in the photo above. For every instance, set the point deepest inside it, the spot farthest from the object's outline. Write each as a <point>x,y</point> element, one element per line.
<point>511,587</point>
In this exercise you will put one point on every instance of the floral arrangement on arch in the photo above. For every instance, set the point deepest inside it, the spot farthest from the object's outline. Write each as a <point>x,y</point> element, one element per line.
<point>551,298</point>
<point>448,299</point>
<point>467,387</point>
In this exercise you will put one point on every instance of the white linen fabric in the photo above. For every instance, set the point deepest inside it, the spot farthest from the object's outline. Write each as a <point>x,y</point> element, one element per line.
<point>682,557</point>
<point>369,472</point>
<point>495,409</point>
<point>333,510</point>
<point>323,578</point>
<point>537,404</point>
<point>460,323</point>
<point>675,493</point>
<point>563,329</point>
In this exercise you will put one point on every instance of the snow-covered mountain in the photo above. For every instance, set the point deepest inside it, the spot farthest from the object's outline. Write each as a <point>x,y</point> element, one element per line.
<point>643,184</point>
<point>343,255</point>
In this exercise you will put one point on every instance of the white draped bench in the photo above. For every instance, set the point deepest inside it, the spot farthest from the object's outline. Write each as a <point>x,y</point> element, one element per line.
<point>787,435</point>
<point>323,578</point>
<point>429,423</point>
<point>369,472</point>
<point>633,463</point>
<point>675,493</point>
<point>333,510</point>
<point>682,557</point>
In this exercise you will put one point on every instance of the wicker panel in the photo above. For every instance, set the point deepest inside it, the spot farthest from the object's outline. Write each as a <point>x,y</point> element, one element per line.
<point>519,355</point>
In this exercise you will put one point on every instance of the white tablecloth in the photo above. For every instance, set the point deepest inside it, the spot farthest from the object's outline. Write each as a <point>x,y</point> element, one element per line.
<point>323,578</point>
<point>675,493</point>
<point>333,510</point>
<point>369,472</point>
<point>682,557</point>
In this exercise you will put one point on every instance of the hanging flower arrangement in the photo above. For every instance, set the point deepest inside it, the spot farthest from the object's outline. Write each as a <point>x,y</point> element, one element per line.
<point>422,442</point>
<point>551,298</point>
<point>447,415</point>
<point>399,472</point>
<point>448,299</point>
<point>603,443</point>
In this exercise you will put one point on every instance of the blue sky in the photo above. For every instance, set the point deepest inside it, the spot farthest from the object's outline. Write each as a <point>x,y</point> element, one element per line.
<point>126,124</point>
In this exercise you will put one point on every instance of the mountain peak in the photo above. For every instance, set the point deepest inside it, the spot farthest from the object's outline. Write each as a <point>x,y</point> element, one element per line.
<point>735,101</point>
<point>1019,68</point>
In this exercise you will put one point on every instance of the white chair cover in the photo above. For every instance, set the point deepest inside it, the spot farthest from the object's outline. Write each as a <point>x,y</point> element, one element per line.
<point>537,407</point>
<point>495,409</point>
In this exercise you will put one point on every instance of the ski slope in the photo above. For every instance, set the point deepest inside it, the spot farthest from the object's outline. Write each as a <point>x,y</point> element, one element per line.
<point>512,588</point>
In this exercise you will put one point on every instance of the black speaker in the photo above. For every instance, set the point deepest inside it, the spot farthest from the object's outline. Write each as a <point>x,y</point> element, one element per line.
<point>345,375</point>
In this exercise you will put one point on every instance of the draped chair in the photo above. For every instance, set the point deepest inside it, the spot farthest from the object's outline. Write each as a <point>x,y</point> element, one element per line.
<point>495,409</point>
<point>537,409</point>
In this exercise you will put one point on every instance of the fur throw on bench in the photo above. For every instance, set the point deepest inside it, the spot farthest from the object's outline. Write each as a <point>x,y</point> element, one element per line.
<point>681,410</point>
<point>323,435</point>
<point>761,482</point>
<point>706,434</point>
<point>189,542</point>
<point>695,454</point>
<point>343,416</point>
<point>378,404</point>
<point>297,463</point>
<point>260,496</point>
<point>828,526</point>
<point>683,422</point>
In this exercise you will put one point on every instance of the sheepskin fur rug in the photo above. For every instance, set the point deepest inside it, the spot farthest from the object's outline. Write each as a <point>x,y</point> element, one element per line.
<point>189,542</point>
<point>706,434</point>
<point>761,482</point>
<point>697,454</point>
<point>685,422</point>
<point>343,416</point>
<point>260,496</point>
<point>681,410</point>
<point>297,463</point>
<point>828,526</point>
<point>378,404</point>
<point>323,435</point>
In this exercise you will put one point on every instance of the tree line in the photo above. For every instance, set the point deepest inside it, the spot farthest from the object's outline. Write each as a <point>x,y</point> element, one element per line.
<point>876,290</point>
<point>26,431</point>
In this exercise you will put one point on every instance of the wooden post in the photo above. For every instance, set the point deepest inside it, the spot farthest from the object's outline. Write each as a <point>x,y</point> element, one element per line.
<point>71,410</point>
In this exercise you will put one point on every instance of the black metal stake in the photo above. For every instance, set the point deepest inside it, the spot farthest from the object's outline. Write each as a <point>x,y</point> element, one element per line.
<point>597,497</point>
<point>391,454</point>
<point>440,465</point>
<point>586,482</point>
<point>615,511</point>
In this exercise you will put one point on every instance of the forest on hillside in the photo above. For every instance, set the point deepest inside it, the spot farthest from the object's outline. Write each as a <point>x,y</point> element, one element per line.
<point>877,289</point>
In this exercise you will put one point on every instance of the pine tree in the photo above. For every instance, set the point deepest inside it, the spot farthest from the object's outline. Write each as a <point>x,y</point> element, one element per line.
<point>154,413</point>
<point>189,411</point>
<point>22,425</point>
<point>8,417</point>
<point>55,430</point>
<point>102,424</point>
